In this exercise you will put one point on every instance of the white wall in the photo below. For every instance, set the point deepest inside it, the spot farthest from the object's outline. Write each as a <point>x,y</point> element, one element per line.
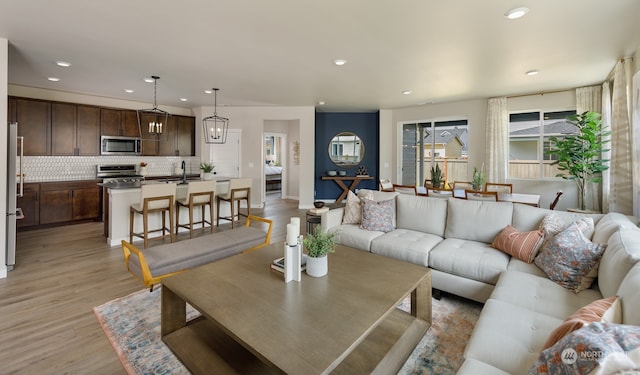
<point>252,120</point>
<point>4,63</point>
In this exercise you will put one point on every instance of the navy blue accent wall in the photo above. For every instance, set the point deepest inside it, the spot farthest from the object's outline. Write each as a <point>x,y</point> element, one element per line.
<point>328,124</point>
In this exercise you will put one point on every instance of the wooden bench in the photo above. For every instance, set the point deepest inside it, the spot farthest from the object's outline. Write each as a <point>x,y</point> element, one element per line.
<point>155,263</point>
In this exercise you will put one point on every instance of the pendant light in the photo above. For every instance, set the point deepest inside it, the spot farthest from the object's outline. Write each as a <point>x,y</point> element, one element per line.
<point>152,120</point>
<point>215,127</point>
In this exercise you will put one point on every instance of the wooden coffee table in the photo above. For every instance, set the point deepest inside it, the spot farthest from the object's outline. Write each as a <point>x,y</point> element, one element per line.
<point>253,322</point>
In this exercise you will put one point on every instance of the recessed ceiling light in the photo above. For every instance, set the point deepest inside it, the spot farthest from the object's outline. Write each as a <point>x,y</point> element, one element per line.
<point>406,92</point>
<point>339,62</point>
<point>516,13</point>
<point>183,99</point>
<point>63,64</point>
<point>532,72</point>
<point>208,91</point>
<point>149,80</point>
<point>128,91</point>
<point>53,79</point>
<point>320,103</point>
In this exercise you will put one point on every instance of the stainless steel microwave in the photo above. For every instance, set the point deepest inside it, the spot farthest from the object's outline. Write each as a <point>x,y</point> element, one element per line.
<point>111,145</point>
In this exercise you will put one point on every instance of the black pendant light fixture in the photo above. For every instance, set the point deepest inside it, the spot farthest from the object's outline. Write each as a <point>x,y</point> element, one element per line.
<point>151,121</point>
<point>215,127</point>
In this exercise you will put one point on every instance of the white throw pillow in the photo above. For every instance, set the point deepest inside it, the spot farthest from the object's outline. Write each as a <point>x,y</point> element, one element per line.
<point>353,208</point>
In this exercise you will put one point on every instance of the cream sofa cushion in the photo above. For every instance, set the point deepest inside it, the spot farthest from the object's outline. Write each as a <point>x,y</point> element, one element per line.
<point>629,293</point>
<point>527,217</point>
<point>608,225</point>
<point>351,235</point>
<point>477,220</point>
<point>404,244</point>
<point>470,259</point>
<point>540,294</point>
<point>509,337</point>
<point>623,252</point>
<point>422,214</point>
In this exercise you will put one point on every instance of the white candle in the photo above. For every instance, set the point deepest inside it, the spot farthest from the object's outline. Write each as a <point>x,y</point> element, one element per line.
<point>292,234</point>
<point>296,221</point>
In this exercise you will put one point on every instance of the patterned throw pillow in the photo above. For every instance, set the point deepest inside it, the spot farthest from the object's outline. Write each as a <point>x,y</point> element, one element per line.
<point>353,208</point>
<point>522,245</point>
<point>552,224</point>
<point>606,310</point>
<point>377,216</point>
<point>568,258</point>
<point>588,348</point>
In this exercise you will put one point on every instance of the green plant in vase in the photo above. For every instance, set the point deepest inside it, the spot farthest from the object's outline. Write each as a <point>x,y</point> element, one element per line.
<point>479,178</point>
<point>436,176</point>
<point>320,243</point>
<point>579,155</point>
<point>206,167</point>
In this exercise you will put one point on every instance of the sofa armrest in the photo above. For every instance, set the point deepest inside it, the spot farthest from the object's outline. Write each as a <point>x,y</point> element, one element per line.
<point>331,218</point>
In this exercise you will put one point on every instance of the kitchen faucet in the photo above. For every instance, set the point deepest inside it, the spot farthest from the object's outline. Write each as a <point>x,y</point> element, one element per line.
<point>184,172</point>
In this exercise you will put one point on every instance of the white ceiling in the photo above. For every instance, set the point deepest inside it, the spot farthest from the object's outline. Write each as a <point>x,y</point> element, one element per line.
<point>281,52</point>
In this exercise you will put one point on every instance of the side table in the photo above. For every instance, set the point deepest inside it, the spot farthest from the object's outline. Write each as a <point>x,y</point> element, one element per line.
<point>313,219</point>
<point>355,180</point>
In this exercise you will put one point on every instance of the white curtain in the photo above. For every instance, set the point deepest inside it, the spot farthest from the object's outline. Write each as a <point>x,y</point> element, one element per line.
<point>621,177</point>
<point>606,124</point>
<point>589,99</point>
<point>635,142</point>
<point>497,140</point>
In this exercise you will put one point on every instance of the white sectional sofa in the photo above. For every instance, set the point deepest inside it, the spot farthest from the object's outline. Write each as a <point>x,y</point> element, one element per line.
<point>522,305</point>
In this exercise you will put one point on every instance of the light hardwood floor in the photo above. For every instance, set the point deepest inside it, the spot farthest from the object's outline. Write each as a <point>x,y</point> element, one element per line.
<point>47,325</point>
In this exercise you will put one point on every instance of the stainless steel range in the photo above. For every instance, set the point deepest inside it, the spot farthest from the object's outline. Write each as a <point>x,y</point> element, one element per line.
<point>120,175</point>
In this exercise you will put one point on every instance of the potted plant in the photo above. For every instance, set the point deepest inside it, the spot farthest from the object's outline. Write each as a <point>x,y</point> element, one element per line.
<point>579,155</point>
<point>478,179</point>
<point>436,176</point>
<point>206,169</point>
<point>318,244</point>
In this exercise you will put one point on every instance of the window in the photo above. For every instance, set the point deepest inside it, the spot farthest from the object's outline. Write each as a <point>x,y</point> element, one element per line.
<point>427,143</point>
<point>529,141</point>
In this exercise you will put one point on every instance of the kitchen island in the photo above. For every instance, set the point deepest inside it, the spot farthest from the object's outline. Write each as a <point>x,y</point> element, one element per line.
<point>122,196</point>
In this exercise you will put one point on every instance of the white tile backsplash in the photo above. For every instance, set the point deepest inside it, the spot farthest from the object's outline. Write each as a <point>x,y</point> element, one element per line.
<point>69,168</point>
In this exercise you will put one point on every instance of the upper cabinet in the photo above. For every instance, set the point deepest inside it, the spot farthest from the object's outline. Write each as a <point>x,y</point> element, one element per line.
<point>177,139</point>
<point>75,129</point>
<point>118,122</point>
<point>34,124</point>
<point>55,128</point>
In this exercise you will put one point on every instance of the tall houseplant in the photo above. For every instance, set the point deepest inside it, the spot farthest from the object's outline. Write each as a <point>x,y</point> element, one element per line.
<point>579,155</point>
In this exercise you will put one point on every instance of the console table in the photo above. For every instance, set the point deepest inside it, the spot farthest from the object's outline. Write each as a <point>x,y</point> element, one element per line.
<point>355,180</point>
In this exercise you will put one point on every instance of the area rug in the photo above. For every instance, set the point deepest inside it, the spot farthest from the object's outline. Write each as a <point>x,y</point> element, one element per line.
<point>132,325</point>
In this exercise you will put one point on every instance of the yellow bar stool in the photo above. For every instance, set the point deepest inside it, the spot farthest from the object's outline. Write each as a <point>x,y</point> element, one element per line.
<point>239,190</point>
<point>199,194</point>
<point>154,198</point>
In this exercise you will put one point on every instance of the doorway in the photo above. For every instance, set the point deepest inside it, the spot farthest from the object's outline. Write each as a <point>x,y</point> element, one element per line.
<point>275,171</point>
<point>226,157</point>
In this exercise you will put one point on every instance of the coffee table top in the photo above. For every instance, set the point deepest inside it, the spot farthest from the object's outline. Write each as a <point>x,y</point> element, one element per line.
<point>305,327</point>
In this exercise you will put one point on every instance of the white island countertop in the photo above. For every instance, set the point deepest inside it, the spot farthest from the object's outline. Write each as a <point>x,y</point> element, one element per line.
<point>121,198</point>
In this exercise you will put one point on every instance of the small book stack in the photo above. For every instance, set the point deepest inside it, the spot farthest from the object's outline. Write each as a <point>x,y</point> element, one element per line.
<point>318,211</point>
<point>278,264</point>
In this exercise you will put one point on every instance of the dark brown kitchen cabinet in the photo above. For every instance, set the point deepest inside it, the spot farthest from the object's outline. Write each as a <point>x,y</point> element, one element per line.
<point>75,129</point>
<point>185,137</point>
<point>34,124</point>
<point>69,201</point>
<point>177,139</point>
<point>116,122</point>
<point>11,110</point>
<point>30,205</point>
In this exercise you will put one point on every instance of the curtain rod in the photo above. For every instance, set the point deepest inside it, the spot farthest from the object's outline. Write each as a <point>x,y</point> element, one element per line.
<point>539,93</point>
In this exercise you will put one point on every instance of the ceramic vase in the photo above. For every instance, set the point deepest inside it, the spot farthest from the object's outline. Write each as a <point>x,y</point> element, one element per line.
<point>207,176</point>
<point>317,267</point>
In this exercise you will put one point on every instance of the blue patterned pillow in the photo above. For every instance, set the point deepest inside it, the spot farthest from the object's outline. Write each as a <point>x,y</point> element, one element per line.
<point>569,258</point>
<point>581,351</point>
<point>377,216</point>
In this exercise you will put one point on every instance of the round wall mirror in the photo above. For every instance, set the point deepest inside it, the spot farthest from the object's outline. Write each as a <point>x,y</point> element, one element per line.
<point>346,150</point>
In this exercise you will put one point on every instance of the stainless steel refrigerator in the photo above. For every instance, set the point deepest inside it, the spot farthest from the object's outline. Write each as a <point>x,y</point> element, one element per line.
<point>15,180</point>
